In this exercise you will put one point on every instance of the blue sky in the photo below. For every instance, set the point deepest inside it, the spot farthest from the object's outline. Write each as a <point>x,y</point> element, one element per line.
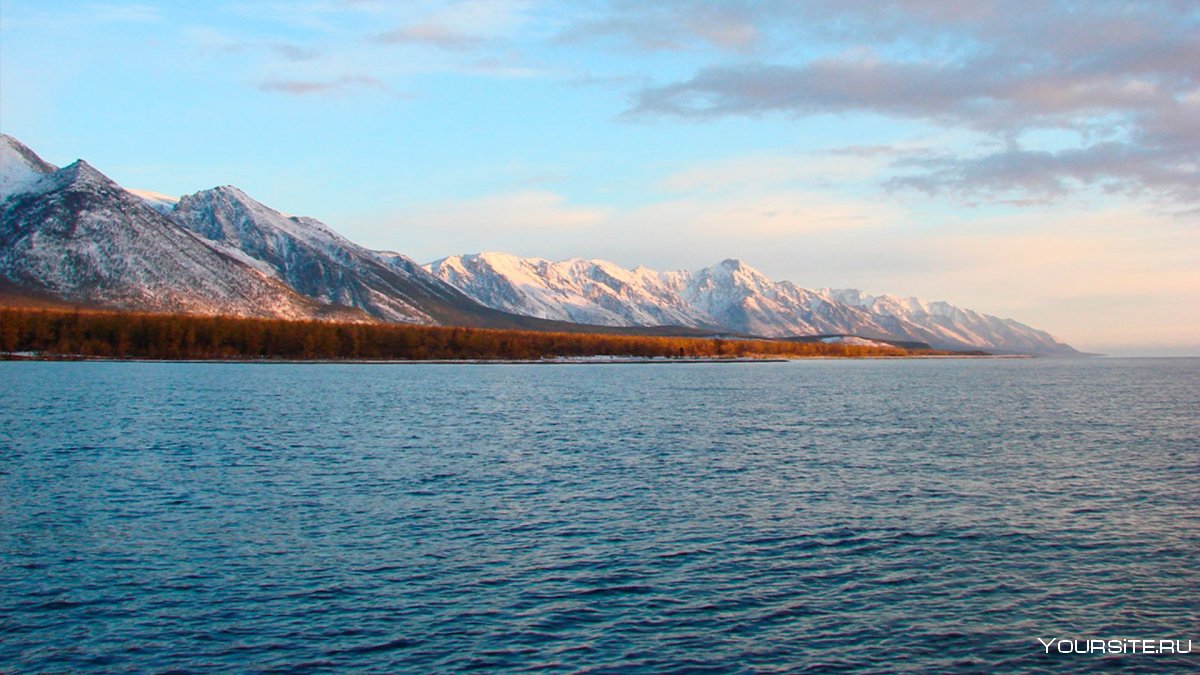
<point>1036,160</point>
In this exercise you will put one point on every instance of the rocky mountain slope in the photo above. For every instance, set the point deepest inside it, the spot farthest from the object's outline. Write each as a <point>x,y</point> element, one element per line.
<point>73,234</point>
<point>729,295</point>
<point>317,262</point>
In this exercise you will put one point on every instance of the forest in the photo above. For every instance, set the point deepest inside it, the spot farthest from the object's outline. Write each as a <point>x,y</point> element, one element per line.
<point>57,333</point>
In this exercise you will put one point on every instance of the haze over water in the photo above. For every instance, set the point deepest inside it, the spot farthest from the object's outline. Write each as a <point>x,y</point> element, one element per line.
<point>870,516</point>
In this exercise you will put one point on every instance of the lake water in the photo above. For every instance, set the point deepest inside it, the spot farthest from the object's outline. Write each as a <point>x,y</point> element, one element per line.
<point>864,516</point>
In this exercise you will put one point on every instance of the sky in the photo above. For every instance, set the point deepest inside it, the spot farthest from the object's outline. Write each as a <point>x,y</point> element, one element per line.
<point>1032,160</point>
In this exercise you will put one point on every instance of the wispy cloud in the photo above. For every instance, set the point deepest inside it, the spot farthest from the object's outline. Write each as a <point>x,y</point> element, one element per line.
<point>1036,176</point>
<point>772,173</point>
<point>667,26</point>
<point>736,220</point>
<point>459,26</point>
<point>294,52</point>
<point>521,211</point>
<point>320,87</point>
<point>430,34</point>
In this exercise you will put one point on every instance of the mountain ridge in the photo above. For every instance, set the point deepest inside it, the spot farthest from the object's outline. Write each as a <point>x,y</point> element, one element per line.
<point>732,296</point>
<point>74,235</point>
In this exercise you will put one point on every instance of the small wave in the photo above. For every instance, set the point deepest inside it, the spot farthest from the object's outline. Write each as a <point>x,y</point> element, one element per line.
<point>390,645</point>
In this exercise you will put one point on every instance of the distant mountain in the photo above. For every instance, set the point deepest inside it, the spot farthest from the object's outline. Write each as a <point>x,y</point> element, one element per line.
<point>729,295</point>
<point>944,324</point>
<point>317,262</point>
<point>75,237</point>
<point>580,291</point>
<point>74,234</point>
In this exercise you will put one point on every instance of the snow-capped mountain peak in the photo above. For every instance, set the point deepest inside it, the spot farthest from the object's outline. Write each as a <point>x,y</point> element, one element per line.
<point>729,295</point>
<point>309,256</point>
<point>81,237</point>
<point>576,290</point>
<point>76,235</point>
<point>21,170</point>
<point>83,174</point>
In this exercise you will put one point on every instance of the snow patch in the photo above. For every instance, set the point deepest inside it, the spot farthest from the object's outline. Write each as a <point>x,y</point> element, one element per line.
<point>730,295</point>
<point>21,170</point>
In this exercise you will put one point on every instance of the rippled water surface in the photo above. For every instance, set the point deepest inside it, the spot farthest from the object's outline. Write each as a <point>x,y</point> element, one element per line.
<point>870,516</point>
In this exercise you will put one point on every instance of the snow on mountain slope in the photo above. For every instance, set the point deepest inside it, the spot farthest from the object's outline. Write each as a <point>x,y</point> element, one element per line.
<point>955,327</point>
<point>319,263</point>
<point>581,291</point>
<point>302,253</point>
<point>729,295</point>
<point>21,170</point>
<point>743,299</point>
<point>75,236</point>
<point>83,238</point>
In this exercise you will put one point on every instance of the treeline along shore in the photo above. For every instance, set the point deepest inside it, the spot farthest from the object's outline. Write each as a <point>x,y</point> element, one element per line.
<point>56,333</point>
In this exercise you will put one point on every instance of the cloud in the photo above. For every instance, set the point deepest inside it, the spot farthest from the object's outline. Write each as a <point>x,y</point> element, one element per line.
<point>432,35</point>
<point>294,52</point>
<point>751,175</point>
<point>321,87</point>
<point>521,211</point>
<point>523,220</point>
<point>508,67</point>
<point>642,36</point>
<point>975,94</point>
<point>459,26</point>
<point>211,41</point>
<point>764,215</point>
<point>1029,176</point>
<point>1123,78</point>
<point>674,231</point>
<point>835,85</point>
<point>666,26</point>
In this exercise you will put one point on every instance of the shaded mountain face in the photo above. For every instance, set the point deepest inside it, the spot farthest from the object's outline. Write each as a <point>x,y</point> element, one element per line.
<point>311,258</point>
<point>729,295</point>
<point>74,234</point>
<point>301,252</point>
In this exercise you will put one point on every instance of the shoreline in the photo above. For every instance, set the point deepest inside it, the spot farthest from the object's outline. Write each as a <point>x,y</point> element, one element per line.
<point>557,361</point>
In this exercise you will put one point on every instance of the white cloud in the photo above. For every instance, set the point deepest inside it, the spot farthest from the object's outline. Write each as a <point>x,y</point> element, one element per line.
<point>523,211</point>
<point>766,173</point>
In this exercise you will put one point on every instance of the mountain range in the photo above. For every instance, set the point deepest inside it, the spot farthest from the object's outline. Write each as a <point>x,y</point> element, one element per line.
<point>730,296</point>
<point>73,235</point>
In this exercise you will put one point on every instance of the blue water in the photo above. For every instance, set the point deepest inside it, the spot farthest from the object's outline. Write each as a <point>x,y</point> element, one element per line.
<point>865,516</point>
